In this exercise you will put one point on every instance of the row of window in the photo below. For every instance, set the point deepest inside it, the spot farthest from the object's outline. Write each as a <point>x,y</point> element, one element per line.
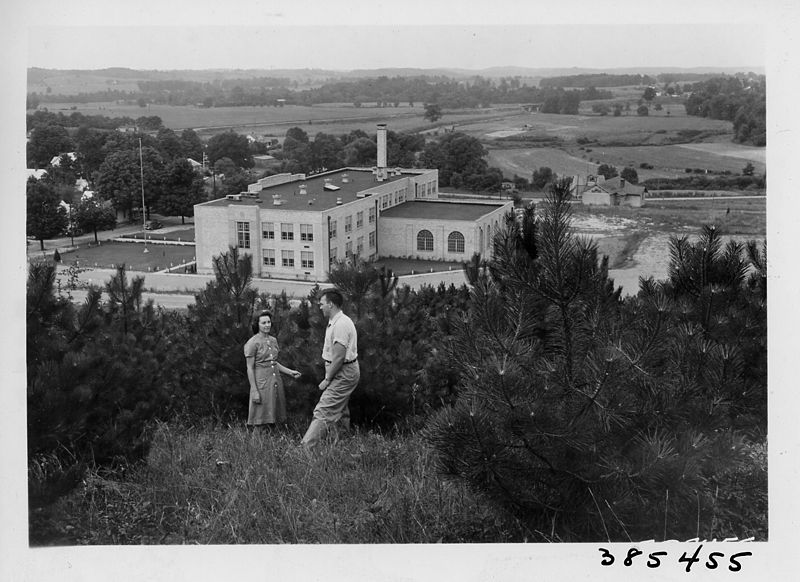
<point>348,247</point>
<point>393,198</point>
<point>287,231</point>
<point>287,259</point>
<point>348,222</point>
<point>455,241</point>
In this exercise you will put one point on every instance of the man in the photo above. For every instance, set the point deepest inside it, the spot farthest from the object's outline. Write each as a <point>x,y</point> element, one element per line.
<point>342,373</point>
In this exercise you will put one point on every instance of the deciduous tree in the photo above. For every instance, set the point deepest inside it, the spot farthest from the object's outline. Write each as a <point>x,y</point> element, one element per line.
<point>433,112</point>
<point>630,174</point>
<point>45,218</point>
<point>607,171</point>
<point>230,145</point>
<point>45,143</point>
<point>542,177</point>
<point>182,188</point>
<point>91,215</point>
<point>119,179</point>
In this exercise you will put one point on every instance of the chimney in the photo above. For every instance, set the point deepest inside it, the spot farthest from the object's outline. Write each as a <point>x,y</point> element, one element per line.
<point>381,138</point>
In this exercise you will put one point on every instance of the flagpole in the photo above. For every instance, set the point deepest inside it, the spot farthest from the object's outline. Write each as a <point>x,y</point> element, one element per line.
<point>141,173</point>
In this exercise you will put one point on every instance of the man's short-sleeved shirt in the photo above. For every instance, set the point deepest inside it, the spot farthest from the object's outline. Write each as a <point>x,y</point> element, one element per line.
<point>341,330</point>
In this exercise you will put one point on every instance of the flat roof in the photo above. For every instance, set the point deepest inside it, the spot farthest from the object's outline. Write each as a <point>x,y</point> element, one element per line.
<point>437,210</point>
<point>320,199</point>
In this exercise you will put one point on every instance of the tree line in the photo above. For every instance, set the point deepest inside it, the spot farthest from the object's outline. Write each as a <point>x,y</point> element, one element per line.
<point>537,384</point>
<point>738,99</point>
<point>384,91</point>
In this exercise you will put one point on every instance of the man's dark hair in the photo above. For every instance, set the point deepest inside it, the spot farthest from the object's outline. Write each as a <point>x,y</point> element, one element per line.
<point>334,296</point>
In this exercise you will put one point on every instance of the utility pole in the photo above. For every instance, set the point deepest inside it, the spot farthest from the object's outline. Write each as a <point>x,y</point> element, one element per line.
<point>144,217</point>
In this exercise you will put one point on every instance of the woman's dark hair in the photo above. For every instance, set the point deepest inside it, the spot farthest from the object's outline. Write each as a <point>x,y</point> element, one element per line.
<point>334,296</point>
<point>259,316</point>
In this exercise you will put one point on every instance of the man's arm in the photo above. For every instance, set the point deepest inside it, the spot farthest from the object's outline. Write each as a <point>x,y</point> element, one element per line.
<point>337,359</point>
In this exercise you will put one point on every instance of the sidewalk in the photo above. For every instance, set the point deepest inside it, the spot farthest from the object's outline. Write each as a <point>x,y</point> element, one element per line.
<point>189,284</point>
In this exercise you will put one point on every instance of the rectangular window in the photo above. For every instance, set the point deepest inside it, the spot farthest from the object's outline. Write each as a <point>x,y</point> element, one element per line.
<point>269,257</point>
<point>243,235</point>
<point>307,259</point>
<point>287,231</point>
<point>334,254</point>
<point>384,202</point>
<point>287,259</point>
<point>348,249</point>
<point>348,223</point>
<point>333,229</point>
<point>372,240</point>
<point>360,246</point>
<point>307,232</point>
<point>372,215</point>
<point>268,230</point>
<point>359,219</point>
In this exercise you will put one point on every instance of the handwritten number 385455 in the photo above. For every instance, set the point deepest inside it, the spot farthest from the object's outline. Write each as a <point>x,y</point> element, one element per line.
<point>654,558</point>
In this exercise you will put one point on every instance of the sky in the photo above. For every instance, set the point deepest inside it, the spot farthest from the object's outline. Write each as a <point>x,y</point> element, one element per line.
<point>355,34</point>
<point>350,47</point>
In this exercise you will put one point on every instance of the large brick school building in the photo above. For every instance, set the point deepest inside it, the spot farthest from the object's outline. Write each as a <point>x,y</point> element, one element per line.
<point>296,226</point>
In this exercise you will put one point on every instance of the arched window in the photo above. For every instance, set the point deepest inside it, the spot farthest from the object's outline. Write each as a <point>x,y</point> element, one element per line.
<point>424,240</point>
<point>455,242</point>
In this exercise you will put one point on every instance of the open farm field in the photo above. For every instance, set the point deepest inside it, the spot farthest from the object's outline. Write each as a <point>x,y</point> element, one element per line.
<point>523,162</point>
<point>336,118</point>
<point>738,216</point>
<point>672,160</point>
<point>667,161</point>
<point>604,129</point>
<point>734,150</point>
<point>182,117</point>
<point>631,140</point>
<point>72,83</point>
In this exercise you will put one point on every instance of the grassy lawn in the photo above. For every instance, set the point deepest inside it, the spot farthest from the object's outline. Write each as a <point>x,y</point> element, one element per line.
<point>108,255</point>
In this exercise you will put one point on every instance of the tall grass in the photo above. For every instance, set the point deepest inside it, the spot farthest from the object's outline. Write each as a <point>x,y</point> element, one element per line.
<point>223,485</point>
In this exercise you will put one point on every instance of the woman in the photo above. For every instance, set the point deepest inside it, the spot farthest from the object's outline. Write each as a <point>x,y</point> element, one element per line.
<point>267,401</point>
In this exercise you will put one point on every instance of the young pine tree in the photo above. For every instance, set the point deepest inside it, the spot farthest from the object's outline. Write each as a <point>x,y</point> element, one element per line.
<point>94,378</point>
<point>586,417</point>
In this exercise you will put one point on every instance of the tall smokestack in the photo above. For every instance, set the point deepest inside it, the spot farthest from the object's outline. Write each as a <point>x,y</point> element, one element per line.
<point>381,151</point>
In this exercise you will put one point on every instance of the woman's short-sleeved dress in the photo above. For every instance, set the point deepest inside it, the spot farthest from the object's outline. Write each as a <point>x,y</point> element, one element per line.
<point>268,381</point>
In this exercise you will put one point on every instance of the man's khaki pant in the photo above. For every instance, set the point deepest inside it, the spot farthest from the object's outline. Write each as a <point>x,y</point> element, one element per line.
<point>332,406</point>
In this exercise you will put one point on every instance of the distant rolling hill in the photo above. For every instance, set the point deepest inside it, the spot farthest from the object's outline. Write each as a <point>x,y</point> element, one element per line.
<point>73,81</point>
